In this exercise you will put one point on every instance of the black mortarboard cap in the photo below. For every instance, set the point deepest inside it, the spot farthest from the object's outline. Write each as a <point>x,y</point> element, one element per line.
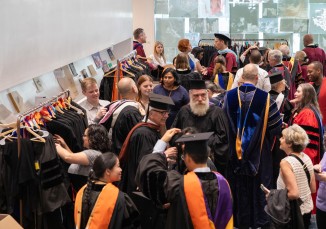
<point>197,84</point>
<point>275,77</point>
<point>195,142</point>
<point>223,37</point>
<point>160,101</point>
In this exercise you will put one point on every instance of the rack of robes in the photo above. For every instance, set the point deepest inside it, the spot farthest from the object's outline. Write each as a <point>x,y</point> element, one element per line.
<point>127,66</point>
<point>238,46</point>
<point>33,181</point>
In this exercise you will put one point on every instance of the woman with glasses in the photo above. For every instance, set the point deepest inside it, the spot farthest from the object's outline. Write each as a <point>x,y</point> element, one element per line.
<point>170,86</point>
<point>96,142</point>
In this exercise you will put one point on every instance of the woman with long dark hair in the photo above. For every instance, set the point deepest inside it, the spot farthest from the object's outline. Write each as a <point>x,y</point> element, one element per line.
<point>99,203</point>
<point>307,115</point>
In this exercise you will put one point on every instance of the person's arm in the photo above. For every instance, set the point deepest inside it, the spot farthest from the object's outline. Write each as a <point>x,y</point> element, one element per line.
<point>313,188</point>
<point>244,54</point>
<point>289,180</point>
<point>101,112</point>
<point>320,175</point>
<point>70,157</point>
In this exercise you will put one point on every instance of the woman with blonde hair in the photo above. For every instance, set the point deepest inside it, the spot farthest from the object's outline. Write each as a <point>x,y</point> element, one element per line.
<point>158,60</point>
<point>222,77</point>
<point>296,170</point>
<point>158,56</point>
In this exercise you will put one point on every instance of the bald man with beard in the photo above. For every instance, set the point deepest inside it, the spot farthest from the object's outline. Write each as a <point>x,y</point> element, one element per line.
<point>205,118</point>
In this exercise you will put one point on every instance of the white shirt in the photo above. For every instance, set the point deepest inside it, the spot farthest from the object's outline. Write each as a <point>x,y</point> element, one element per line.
<point>160,60</point>
<point>263,83</point>
<point>92,111</point>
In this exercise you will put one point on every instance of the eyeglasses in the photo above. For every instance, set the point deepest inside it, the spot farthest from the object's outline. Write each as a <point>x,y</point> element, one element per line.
<point>162,112</point>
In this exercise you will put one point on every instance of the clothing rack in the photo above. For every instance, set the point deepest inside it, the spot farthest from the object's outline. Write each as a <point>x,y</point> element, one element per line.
<point>19,118</point>
<point>209,41</point>
<point>130,55</point>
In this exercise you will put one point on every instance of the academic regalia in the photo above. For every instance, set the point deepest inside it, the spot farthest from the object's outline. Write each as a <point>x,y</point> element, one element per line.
<point>169,187</point>
<point>304,72</point>
<point>141,143</point>
<point>258,120</point>
<point>321,94</point>
<point>126,120</point>
<point>187,75</point>
<point>314,53</point>
<point>124,215</point>
<point>293,65</point>
<point>214,120</point>
<point>309,119</point>
<point>224,80</point>
<point>287,76</point>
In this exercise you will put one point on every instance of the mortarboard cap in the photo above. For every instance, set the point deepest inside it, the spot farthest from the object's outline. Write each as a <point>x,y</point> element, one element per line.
<point>160,101</point>
<point>195,142</point>
<point>222,37</point>
<point>275,77</point>
<point>197,84</point>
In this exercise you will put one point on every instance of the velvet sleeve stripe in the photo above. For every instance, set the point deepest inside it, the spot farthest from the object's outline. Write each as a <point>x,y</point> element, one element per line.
<point>313,137</point>
<point>312,146</point>
<point>310,128</point>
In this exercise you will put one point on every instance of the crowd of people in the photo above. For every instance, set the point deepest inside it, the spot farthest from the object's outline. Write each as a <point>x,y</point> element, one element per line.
<point>206,146</point>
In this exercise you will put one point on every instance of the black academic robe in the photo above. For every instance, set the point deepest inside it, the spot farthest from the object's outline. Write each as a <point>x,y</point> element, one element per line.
<point>163,186</point>
<point>141,143</point>
<point>125,213</point>
<point>127,119</point>
<point>215,120</point>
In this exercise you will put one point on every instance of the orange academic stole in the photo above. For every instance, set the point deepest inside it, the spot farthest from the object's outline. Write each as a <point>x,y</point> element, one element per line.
<point>103,209</point>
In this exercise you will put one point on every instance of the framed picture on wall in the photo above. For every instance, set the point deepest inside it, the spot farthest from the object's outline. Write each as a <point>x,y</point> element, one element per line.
<point>73,69</point>
<point>111,55</point>
<point>105,66</point>
<point>97,59</point>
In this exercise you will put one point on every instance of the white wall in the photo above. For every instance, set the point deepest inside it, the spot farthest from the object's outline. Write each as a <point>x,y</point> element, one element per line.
<point>77,29</point>
<point>39,36</point>
<point>143,17</point>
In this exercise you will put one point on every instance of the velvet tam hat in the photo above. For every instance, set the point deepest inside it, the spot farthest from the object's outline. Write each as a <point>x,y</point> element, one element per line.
<point>275,77</point>
<point>197,84</point>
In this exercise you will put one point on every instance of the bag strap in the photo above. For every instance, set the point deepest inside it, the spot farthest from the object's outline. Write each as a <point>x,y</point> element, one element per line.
<point>304,166</point>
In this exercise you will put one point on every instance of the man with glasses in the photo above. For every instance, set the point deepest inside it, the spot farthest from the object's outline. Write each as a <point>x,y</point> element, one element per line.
<point>142,138</point>
<point>198,199</point>
<point>205,118</point>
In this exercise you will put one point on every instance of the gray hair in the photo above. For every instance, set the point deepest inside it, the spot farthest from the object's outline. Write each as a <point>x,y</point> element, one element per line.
<point>275,55</point>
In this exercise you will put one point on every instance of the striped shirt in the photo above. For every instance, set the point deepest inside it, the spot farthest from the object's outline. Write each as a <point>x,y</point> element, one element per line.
<point>301,180</point>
